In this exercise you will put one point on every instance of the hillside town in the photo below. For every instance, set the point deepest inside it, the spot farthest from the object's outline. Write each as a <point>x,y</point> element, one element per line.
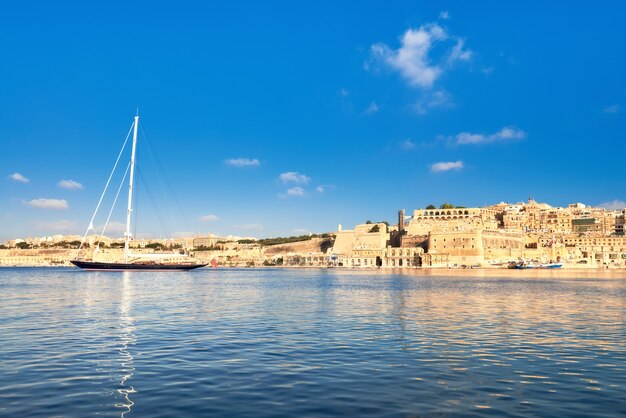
<point>447,236</point>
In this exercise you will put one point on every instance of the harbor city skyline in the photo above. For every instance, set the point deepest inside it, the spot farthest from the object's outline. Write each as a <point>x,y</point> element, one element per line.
<point>502,235</point>
<point>291,120</point>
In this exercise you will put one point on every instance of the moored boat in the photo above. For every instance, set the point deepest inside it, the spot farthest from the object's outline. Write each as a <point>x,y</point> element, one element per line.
<point>538,266</point>
<point>133,261</point>
<point>101,266</point>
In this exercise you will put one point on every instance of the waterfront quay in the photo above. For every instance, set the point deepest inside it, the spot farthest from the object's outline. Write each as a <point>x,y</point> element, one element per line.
<point>576,236</point>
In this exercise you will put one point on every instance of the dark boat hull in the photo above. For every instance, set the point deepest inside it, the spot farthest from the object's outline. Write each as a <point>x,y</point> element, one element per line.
<point>95,265</point>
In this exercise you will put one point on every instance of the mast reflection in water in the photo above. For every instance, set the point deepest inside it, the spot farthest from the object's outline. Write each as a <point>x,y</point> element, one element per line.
<point>127,340</point>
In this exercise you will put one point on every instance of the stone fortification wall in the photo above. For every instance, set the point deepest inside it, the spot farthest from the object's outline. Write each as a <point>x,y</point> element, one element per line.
<point>463,248</point>
<point>343,242</point>
<point>428,224</point>
<point>501,246</point>
<point>36,257</point>
<point>363,237</point>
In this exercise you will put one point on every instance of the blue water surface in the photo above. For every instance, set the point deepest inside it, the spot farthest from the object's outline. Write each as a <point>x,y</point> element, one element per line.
<point>311,343</point>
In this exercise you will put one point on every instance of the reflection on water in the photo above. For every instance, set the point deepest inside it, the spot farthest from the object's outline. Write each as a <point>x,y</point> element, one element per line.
<point>127,338</point>
<point>312,343</point>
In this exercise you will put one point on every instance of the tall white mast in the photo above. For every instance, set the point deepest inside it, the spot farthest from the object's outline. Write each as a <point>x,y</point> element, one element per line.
<point>130,191</point>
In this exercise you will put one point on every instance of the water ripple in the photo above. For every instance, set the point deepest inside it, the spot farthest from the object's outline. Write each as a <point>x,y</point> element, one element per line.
<point>283,343</point>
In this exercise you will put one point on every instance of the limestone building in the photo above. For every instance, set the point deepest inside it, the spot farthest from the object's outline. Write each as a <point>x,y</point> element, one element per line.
<point>488,236</point>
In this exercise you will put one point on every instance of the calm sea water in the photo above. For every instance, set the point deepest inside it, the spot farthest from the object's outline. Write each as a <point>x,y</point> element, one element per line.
<point>311,343</point>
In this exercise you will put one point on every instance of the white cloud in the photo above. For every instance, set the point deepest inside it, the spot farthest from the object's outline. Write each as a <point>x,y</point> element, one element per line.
<point>324,187</point>
<point>412,58</point>
<point>407,145</point>
<point>55,204</point>
<point>436,99</point>
<point>255,227</point>
<point>469,138</point>
<point>296,191</point>
<point>58,226</point>
<point>294,177</point>
<point>114,226</point>
<point>70,184</point>
<point>371,109</point>
<point>242,162</point>
<point>458,53</point>
<point>19,177</point>
<point>344,92</point>
<point>444,15</point>
<point>613,205</point>
<point>446,166</point>
<point>507,133</point>
<point>208,218</point>
<point>612,109</point>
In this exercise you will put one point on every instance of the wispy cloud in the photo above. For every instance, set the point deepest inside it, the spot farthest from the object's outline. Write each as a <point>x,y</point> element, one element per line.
<point>612,109</point>
<point>19,177</point>
<point>613,205</point>
<point>412,59</point>
<point>296,191</point>
<point>459,53</point>
<point>54,204</point>
<point>242,162</point>
<point>113,227</point>
<point>58,226</point>
<point>344,92</point>
<point>436,99</point>
<point>444,15</point>
<point>70,184</point>
<point>371,109</point>
<point>446,166</point>
<point>294,177</point>
<point>322,188</point>
<point>508,133</point>
<point>253,227</point>
<point>209,218</point>
<point>407,145</point>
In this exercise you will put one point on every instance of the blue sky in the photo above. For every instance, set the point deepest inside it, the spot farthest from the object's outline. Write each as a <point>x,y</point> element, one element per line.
<point>280,118</point>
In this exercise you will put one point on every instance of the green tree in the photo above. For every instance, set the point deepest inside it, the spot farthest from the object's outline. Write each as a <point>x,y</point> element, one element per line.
<point>209,248</point>
<point>429,207</point>
<point>447,206</point>
<point>155,246</point>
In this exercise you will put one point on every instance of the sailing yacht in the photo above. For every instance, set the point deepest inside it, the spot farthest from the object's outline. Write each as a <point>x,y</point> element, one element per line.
<point>138,261</point>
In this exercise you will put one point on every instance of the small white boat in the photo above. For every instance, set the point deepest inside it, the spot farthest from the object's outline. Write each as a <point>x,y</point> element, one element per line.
<point>538,266</point>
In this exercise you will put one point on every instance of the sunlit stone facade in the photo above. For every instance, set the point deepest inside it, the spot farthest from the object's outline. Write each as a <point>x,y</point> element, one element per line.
<point>494,235</point>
